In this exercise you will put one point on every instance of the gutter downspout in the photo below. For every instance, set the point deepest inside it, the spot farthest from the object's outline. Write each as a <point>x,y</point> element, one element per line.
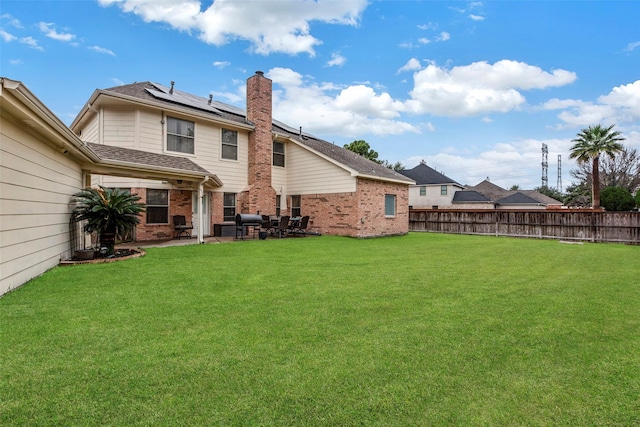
<point>200,210</point>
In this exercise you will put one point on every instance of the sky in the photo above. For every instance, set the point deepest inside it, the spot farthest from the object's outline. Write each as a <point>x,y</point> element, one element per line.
<point>474,89</point>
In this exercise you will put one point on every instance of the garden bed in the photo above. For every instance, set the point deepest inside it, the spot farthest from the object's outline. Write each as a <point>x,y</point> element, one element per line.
<point>118,255</point>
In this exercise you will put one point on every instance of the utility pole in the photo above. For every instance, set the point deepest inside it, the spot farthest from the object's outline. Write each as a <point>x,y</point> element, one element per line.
<point>545,165</point>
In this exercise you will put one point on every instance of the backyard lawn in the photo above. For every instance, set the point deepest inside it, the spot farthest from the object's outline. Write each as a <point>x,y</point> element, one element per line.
<point>423,329</point>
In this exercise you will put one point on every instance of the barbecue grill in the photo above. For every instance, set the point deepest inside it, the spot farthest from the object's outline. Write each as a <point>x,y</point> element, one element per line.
<point>244,221</point>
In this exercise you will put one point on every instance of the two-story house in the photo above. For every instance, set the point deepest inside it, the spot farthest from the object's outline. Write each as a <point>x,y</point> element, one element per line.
<point>432,189</point>
<point>253,163</point>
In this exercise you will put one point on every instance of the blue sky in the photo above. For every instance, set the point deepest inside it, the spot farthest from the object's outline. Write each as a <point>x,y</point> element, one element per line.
<point>472,88</point>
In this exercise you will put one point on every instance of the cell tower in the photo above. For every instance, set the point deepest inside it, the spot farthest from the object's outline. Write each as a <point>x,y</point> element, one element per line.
<point>559,184</point>
<point>545,165</point>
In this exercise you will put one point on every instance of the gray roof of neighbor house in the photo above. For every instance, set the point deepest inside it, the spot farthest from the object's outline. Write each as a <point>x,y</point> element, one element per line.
<point>159,95</point>
<point>425,175</point>
<point>499,195</point>
<point>469,196</point>
<point>517,199</point>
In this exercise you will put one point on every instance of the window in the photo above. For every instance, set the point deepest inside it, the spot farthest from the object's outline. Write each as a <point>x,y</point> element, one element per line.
<point>389,205</point>
<point>278,154</point>
<point>180,135</point>
<point>229,144</point>
<point>157,206</point>
<point>295,206</point>
<point>443,190</point>
<point>229,202</point>
<point>278,201</point>
<point>423,191</point>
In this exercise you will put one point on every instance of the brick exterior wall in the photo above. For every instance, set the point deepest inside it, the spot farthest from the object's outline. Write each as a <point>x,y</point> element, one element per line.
<point>358,214</point>
<point>179,204</point>
<point>260,195</point>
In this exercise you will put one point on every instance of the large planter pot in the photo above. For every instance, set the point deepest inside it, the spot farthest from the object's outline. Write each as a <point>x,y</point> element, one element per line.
<point>85,254</point>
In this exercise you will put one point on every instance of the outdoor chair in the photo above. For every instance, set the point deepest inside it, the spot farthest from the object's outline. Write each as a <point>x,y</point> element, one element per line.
<point>181,228</point>
<point>301,226</point>
<point>283,226</point>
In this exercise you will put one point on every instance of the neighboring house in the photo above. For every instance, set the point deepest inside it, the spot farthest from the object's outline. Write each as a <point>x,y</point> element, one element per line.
<point>258,165</point>
<point>487,195</point>
<point>432,189</point>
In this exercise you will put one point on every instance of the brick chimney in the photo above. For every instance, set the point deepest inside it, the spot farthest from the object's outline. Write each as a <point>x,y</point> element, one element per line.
<point>260,195</point>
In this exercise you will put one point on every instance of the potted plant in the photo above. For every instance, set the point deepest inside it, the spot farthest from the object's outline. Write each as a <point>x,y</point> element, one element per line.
<point>109,212</point>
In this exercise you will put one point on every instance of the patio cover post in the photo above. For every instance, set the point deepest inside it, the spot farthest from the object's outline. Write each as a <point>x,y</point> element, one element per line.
<point>200,210</point>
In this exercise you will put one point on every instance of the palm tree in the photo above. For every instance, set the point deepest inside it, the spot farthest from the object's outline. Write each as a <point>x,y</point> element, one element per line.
<point>108,211</point>
<point>589,145</point>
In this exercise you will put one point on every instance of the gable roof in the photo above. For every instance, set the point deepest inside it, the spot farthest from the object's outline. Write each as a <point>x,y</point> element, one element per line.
<point>469,196</point>
<point>160,96</point>
<point>517,199</point>
<point>425,175</point>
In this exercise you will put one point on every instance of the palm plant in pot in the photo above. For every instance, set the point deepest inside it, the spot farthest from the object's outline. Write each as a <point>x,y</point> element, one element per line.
<point>108,212</point>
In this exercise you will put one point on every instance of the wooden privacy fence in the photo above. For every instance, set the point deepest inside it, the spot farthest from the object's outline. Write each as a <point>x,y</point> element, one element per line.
<point>581,225</point>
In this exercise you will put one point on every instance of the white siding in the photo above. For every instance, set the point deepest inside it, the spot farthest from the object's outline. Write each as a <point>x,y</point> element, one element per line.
<point>308,173</point>
<point>36,187</point>
<point>432,196</point>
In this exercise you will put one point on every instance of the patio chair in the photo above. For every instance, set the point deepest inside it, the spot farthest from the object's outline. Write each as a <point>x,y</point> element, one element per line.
<point>283,226</point>
<point>181,228</point>
<point>301,226</point>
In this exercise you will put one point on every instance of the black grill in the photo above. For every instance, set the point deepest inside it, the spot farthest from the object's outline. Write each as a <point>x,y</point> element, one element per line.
<point>244,221</point>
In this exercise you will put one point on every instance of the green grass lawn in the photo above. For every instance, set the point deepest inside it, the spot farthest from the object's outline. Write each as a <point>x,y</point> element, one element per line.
<point>423,329</point>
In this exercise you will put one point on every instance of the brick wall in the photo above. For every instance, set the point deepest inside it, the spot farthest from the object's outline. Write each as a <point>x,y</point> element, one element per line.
<point>358,214</point>
<point>179,204</point>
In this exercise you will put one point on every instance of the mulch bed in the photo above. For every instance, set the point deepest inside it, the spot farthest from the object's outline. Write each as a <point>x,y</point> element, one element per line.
<point>118,255</point>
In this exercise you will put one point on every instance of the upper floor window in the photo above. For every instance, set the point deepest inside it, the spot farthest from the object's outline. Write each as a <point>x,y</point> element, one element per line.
<point>229,202</point>
<point>389,205</point>
<point>423,190</point>
<point>229,144</point>
<point>157,206</point>
<point>278,153</point>
<point>180,135</point>
<point>443,190</point>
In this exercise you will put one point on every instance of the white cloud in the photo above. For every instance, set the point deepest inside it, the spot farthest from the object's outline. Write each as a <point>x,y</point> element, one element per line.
<point>101,50</point>
<point>621,105</point>
<point>337,60</point>
<point>479,88</point>
<point>631,46</point>
<point>476,17</point>
<point>6,36</point>
<point>15,62</point>
<point>221,64</point>
<point>49,31</point>
<point>411,65</point>
<point>11,21</point>
<point>326,109</point>
<point>443,37</point>
<point>31,42</point>
<point>284,26</point>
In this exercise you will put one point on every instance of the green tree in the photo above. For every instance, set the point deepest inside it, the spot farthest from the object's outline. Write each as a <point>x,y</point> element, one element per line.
<point>621,171</point>
<point>364,149</point>
<point>589,145</point>
<point>638,198</point>
<point>107,211</point>
<point>397,166</point>
<point>578,195</point>
<point>617,199</point>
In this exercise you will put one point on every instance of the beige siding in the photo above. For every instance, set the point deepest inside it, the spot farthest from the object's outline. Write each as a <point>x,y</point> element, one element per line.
<point>119,128</point>
<point>308,173</point>
<point>37,184</point>
<point>432,197</point>
<point>91,132</point>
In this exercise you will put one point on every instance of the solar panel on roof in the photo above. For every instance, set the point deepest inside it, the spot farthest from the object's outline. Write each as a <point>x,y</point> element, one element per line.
<point>186,99</point>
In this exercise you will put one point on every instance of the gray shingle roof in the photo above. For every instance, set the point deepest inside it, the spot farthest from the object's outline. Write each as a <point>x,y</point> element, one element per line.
<point>149,91</point>
<point>425,175</point>
<point>138,157</point>
<point>469,196</point>
<point>517,199</point>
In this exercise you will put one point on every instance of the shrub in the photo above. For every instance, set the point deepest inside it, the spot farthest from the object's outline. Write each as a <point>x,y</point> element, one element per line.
<point>616,199</point>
